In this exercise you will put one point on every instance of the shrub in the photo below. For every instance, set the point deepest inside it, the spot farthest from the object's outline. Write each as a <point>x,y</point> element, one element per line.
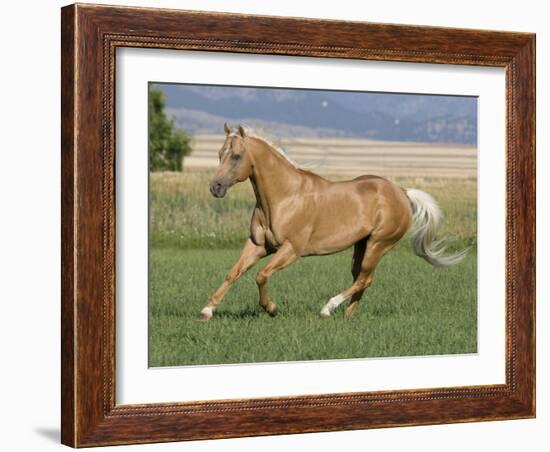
<point>167,144</point>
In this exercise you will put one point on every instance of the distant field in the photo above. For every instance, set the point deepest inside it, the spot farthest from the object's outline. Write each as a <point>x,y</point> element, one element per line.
<point>352,157</point>
<point>411,308</point>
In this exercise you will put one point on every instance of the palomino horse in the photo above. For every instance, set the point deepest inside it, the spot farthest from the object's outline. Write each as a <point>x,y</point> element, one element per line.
<point>299,213</point>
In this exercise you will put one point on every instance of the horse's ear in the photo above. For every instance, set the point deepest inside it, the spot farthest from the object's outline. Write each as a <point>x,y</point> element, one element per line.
<point>242,131</point>
<point>226,128</point>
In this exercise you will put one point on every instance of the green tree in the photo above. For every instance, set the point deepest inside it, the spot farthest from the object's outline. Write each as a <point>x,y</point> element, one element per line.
<point>167,144</point>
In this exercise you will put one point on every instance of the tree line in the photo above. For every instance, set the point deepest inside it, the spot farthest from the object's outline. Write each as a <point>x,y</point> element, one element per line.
<point>168,145</point>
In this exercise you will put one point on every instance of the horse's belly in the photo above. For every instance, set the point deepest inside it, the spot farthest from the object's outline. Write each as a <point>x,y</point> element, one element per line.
<point>328,240</point>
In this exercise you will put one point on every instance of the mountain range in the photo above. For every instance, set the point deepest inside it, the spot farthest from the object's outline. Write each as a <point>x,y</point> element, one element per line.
<point>300,112</point>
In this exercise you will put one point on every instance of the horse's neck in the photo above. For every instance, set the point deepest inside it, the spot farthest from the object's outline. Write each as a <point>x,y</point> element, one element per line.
<point>274,178</point>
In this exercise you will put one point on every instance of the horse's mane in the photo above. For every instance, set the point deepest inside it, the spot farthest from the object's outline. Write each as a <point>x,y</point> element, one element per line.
<point>280,151</point>
<point>276,148</point>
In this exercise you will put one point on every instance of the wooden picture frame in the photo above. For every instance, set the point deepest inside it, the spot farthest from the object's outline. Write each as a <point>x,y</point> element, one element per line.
<point>90,36</point>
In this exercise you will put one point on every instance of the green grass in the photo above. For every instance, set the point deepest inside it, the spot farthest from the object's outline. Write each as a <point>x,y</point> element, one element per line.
<point>411,309</point>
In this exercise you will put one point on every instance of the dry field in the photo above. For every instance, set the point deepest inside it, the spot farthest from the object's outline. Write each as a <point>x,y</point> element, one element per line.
<point>352,157</point>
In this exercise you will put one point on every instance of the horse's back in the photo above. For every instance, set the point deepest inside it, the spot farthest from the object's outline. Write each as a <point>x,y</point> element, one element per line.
<point>382,186</point>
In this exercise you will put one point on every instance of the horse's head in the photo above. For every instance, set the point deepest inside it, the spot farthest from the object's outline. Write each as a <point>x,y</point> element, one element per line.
<point>235,162</point>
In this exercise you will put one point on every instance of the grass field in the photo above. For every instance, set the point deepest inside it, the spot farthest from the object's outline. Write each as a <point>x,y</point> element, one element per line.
<point>411,308</point>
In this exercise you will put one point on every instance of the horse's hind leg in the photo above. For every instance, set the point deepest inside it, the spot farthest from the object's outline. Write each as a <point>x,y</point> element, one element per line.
<point>375,250</point>
<point>356,262</point>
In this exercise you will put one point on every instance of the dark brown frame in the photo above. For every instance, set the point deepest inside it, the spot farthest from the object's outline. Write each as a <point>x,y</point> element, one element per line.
<point>90,34</point>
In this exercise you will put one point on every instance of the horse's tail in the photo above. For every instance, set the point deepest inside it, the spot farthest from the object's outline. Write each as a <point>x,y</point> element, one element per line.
<point>425,221</point>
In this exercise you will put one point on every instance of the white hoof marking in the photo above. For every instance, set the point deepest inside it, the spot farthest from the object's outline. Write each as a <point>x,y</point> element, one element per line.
<point>207,312</point>
<point>332,304</point>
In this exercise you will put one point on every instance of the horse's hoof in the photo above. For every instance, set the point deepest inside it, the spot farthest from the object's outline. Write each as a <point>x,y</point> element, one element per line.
<point>272,309</point>
<point>325,313</point>
<point>206,314</point>
<point>350,311</point>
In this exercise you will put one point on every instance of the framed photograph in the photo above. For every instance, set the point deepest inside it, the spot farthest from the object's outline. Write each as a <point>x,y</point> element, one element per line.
<point>283,225</point>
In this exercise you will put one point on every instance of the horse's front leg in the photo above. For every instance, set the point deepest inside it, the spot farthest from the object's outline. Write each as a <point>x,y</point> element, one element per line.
<point>250,254</point>
<point>284,256</point>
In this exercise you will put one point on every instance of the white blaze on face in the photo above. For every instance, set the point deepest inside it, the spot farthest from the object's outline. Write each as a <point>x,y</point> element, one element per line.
<point>332,304</point>
<point>228,148</point>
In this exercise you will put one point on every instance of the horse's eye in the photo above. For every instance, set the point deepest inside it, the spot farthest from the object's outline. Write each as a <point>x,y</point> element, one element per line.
<point>235,157</point>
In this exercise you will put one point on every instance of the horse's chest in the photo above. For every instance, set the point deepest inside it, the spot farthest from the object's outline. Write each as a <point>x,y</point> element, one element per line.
<point>261,230</point>
<point>271,238</point>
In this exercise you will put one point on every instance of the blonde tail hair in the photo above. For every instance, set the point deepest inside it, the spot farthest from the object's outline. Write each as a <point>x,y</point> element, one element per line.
<point>425,222</point>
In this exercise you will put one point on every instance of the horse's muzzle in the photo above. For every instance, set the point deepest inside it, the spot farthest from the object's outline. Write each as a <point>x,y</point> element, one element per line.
<point>218,189</point>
